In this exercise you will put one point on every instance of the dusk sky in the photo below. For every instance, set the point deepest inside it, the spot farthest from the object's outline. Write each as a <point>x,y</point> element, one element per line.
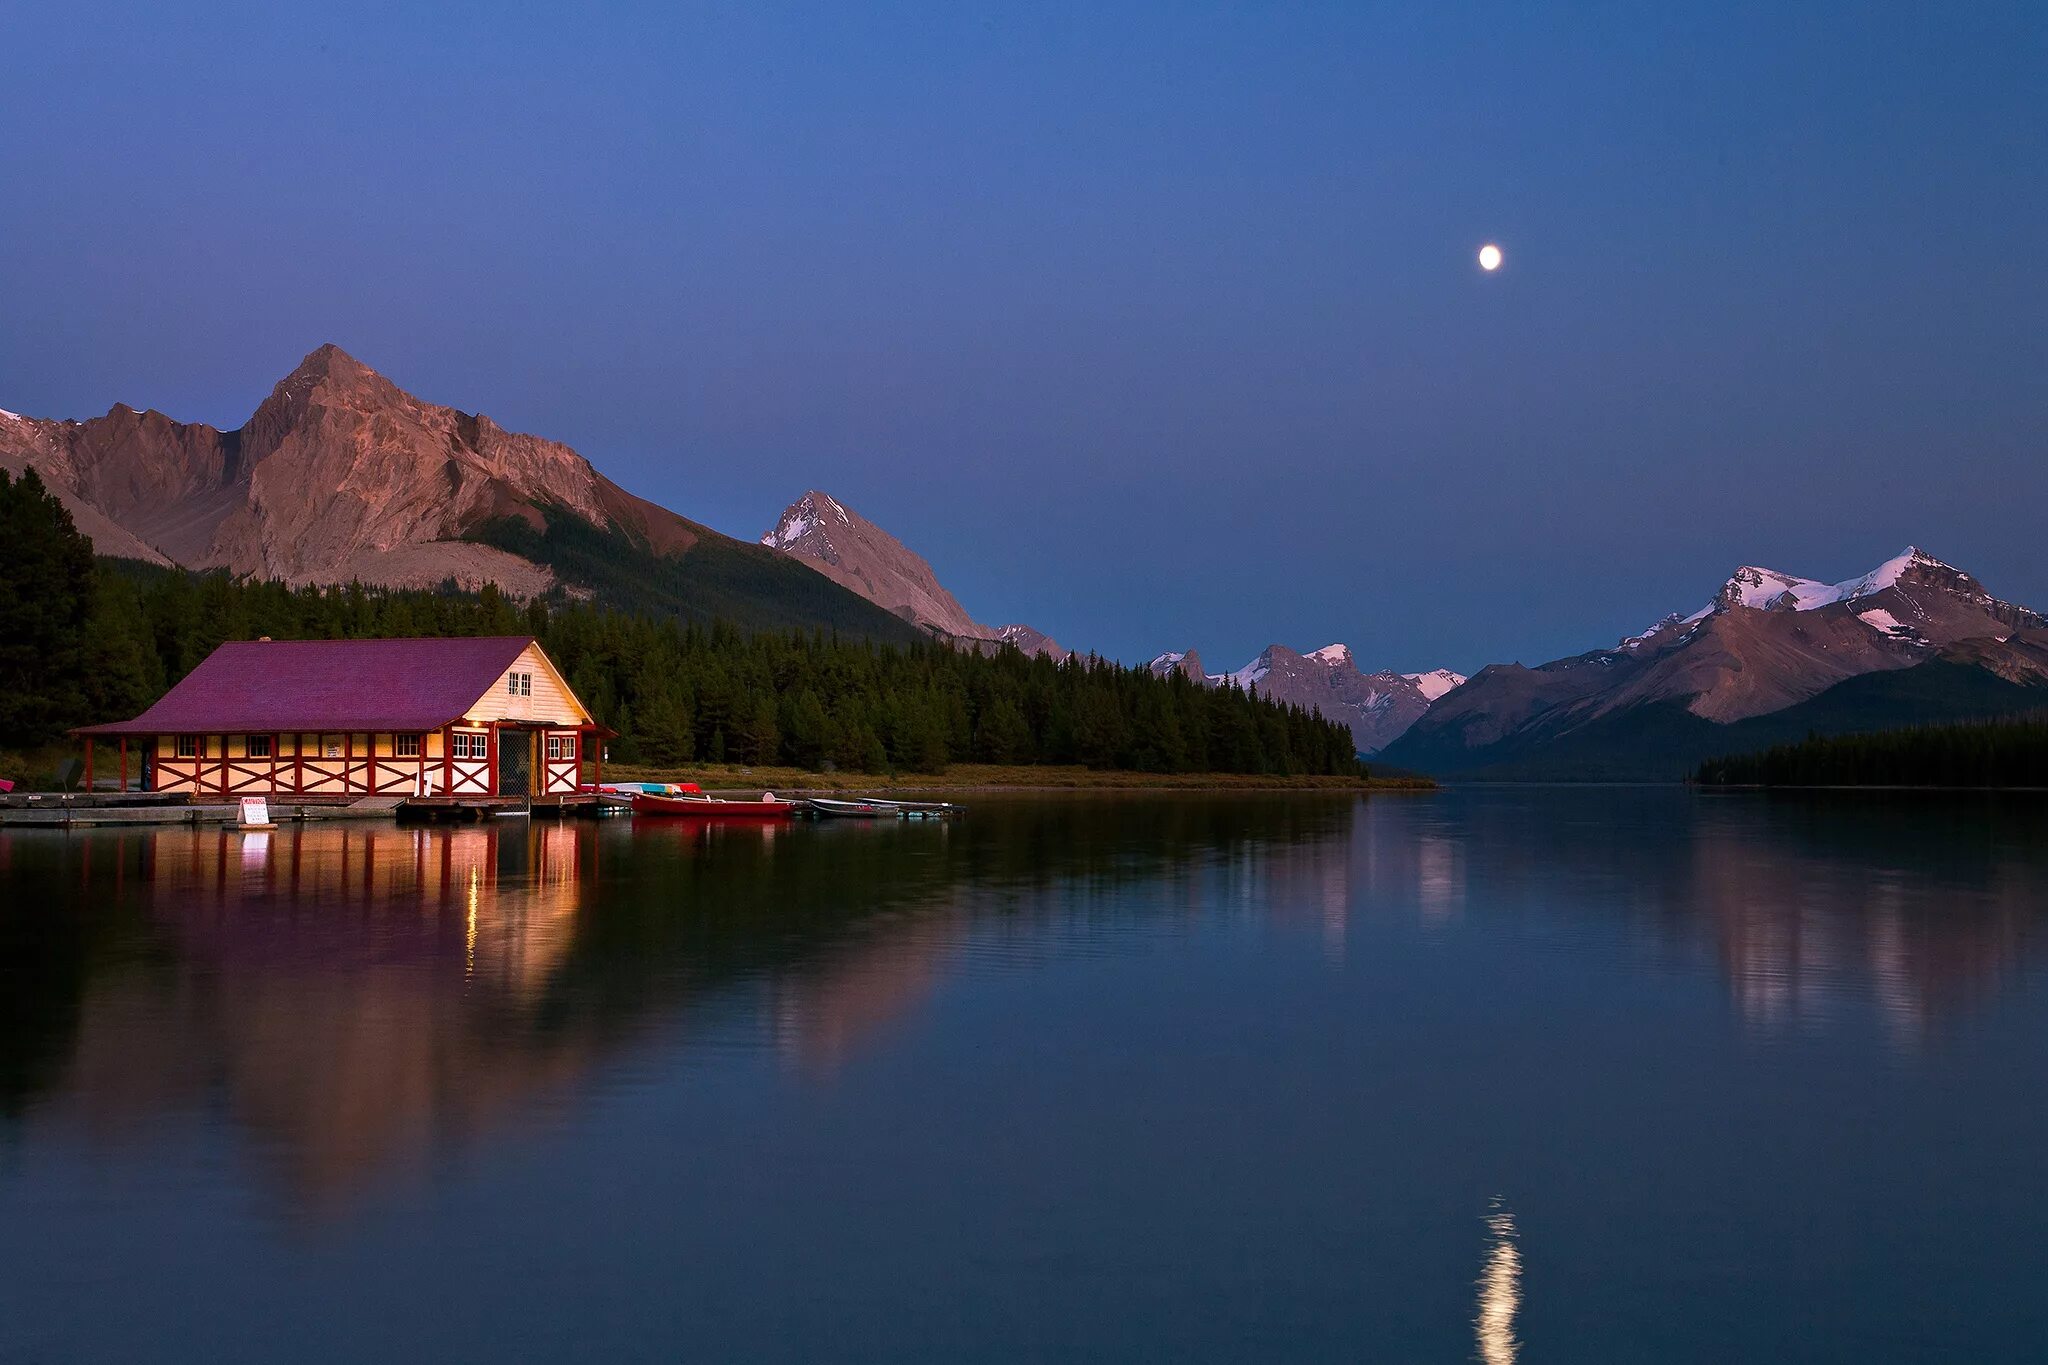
<point>1152,325</point>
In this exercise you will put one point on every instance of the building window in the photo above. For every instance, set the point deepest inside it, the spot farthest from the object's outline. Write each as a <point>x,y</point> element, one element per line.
<point>256,746</point>
<point>469,746</point>
<point>187,746</point>
<point>561,748</point>
<point>405,746</point>
<point>330,745</point>
<point>519,684</point>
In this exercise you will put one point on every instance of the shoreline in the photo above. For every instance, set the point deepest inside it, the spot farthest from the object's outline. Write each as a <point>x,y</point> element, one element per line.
<point>973,777</point>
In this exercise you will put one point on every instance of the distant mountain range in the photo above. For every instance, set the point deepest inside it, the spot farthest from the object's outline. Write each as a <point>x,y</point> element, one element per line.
<point>1772,657</point>
<point>1379,707</point>
<point>820,531</point>
<point>341,475</point>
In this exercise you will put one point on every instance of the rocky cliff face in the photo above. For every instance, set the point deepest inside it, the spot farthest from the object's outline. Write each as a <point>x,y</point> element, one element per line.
<point>852,551</point>
<point>339,474</point>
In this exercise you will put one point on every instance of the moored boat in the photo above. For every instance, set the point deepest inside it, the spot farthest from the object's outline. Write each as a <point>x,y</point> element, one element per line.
<point>697,806</point>
<point>852,810</point>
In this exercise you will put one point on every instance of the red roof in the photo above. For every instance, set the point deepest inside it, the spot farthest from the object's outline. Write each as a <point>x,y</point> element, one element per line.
<point>271,686</point>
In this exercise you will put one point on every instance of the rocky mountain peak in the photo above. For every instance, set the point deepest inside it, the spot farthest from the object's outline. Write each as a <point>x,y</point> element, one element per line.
<point>1187,663</point>
<point>1436,682</point>
<point>811,520</point>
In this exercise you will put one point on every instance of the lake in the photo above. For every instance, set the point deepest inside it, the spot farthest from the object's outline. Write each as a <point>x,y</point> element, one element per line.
<point>1603,1074</point>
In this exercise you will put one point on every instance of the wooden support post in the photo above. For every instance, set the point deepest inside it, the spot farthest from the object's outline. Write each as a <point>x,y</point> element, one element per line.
<point>88,762</point>
<point>492,743</point>
<point>276,743</point>
<point>421,785</point>
<point>124,763</point>
<point>348,758</point>
<point>299,762</point>
<point>447,759</point>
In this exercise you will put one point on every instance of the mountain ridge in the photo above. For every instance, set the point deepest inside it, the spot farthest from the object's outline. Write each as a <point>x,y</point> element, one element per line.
<point>823,533</point>
<point>1766,642</point>
<point>339,475</point>
<point>1377,707</point>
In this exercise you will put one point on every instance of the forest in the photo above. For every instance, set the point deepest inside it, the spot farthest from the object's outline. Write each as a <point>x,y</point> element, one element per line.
<point>85,639</point>
<point>2006,751</point>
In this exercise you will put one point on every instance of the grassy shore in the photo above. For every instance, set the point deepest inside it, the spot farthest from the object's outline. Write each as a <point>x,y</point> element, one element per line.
<point>995,777</point>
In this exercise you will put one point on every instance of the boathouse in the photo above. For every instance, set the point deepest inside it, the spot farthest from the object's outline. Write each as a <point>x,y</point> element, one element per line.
<point>486,716</point>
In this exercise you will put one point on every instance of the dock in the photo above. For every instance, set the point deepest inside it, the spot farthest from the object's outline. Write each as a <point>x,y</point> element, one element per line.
<point>486,807</point>
<point>88,810</point>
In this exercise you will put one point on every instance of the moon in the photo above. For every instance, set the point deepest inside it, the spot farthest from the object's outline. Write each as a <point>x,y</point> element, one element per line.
<point>1489,258</point>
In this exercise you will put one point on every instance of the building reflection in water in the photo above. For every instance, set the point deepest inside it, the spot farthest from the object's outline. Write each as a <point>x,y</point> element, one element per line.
<point>356,996</point>
<point>1500,1289</point>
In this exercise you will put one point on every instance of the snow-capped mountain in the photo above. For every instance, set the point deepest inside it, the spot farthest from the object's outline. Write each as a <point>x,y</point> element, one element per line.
<point>1767,641</point>
<point>1187,663</point>
<point>1378,707</point>
<point>838,542</point>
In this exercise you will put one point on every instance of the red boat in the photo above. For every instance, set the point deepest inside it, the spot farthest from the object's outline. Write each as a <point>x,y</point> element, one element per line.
<point>700,807</point>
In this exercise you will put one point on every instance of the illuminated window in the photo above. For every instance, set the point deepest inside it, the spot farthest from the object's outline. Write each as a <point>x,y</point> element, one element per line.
<point>406,746</point>
<point>256,746</point>
<point>187,746</point>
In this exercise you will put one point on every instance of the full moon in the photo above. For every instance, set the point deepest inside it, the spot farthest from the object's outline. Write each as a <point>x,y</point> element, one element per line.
<point>1489,257</point>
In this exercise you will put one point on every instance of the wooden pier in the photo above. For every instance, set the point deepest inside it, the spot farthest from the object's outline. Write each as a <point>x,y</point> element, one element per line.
<point>487,807</point>
<point>87,810</point>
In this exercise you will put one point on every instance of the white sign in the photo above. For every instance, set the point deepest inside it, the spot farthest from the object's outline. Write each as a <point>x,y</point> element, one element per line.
<point>255,811</point>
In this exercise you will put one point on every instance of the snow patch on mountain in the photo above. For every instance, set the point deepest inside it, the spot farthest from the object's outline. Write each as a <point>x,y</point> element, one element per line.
<point>804,516</point>
<point>1436,682</point>
<point>1331,654</point>
<point>1877,618</point>
<point>1768,590</point>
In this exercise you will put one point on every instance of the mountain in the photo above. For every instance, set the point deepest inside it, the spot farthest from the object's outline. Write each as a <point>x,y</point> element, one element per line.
<point>825,534</point>
<point>1379,707</point>
<point>1767,645</point>
<point>1188,664</point>
<point>341,475</point>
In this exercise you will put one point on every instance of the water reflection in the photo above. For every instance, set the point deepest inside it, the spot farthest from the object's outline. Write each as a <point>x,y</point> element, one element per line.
<point>1500,1290</point>
<point>359,998</point>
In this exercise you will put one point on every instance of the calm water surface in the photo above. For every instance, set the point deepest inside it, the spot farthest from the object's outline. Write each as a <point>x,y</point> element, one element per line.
<point>1535,1075</point>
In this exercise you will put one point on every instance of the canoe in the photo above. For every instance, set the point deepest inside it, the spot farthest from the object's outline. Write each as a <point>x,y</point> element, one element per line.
<point>853,810</point>
<point>769,807</point>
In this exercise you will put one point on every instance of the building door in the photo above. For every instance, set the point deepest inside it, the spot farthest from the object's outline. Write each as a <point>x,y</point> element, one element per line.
<point>515,762</point>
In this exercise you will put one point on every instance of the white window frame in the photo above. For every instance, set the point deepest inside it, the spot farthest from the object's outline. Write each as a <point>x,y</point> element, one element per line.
<point>519,684</point>
<point>187,746</point>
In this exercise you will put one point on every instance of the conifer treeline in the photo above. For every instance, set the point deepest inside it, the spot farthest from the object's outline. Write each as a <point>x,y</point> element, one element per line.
<point>2005,752</point>
<point>676,693</point>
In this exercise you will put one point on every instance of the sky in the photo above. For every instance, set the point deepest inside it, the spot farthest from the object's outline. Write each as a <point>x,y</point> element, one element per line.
<point>1153,325</point>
